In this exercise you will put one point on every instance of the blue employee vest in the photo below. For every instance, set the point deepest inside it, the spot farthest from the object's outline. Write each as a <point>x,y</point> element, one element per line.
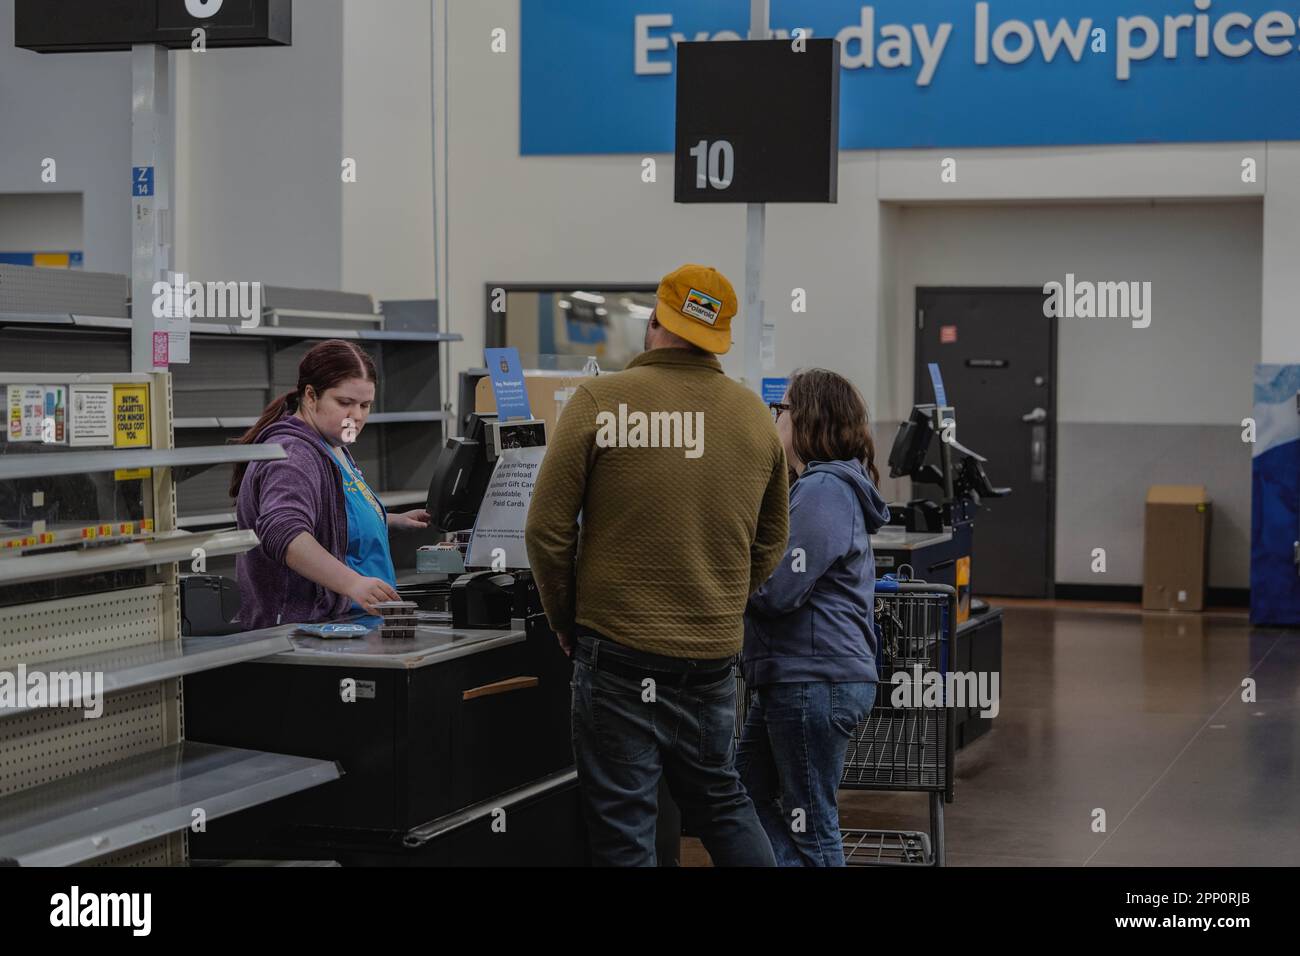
<point>368,551</point>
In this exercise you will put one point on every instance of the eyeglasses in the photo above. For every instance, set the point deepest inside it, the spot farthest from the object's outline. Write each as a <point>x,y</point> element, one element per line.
<point>777,409</point>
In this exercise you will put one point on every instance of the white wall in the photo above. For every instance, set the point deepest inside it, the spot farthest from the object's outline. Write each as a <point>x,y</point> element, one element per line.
<point>262,135</point>
<point>1282,255</point>
<point>387,227</point>
<point>258,168</point>
<point>40,222</point>
<point>1193,365</point>
<point>77,111</point>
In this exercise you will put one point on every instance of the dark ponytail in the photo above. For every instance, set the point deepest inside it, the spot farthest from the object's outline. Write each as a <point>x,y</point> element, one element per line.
<point>327,365</point>
<point>828,420</point>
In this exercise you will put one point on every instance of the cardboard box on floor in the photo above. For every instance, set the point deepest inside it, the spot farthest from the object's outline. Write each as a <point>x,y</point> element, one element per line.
<point>1176,553</point>
<point>547,394</point>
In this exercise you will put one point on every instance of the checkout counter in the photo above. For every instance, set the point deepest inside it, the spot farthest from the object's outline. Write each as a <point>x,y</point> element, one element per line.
<point>454,744</point>
<point>934,541</point>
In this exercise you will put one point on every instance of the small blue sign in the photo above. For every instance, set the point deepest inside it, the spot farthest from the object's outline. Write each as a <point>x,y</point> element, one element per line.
<point>507,375</point>
<point>936,378</point>
<point>774,389</point>
<point>141,181</point>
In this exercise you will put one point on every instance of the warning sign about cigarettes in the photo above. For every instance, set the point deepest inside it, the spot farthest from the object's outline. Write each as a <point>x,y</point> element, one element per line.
<point>131,416</point>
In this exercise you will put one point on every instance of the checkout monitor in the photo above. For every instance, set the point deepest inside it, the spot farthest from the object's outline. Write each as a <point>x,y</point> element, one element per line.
<point>907,456</point>
<point>460,477</point>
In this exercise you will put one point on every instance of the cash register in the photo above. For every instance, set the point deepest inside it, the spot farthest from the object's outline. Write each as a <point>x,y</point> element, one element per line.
<point>489,597</point>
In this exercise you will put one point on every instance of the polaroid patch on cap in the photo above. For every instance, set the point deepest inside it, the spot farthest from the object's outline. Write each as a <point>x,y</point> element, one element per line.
<point>703,307</point>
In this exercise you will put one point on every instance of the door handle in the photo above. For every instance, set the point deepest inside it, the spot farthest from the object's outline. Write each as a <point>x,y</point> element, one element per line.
<point>506,686</point>
<point>1036,417</point>
<point>1038,453</point>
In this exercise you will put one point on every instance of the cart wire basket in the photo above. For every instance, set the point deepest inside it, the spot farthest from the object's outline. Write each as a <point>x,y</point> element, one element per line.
<point>908,747</point>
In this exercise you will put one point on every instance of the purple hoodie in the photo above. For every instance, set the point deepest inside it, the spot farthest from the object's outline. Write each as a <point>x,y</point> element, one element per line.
<point>279,500</point>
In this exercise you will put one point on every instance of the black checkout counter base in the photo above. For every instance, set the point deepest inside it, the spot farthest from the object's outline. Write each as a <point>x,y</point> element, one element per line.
<point>979,649</point>
<point>455,749</point>
<point>937,557</point>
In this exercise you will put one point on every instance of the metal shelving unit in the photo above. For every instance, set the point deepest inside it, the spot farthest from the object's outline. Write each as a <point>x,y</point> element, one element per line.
<point>187,462</point>
<point>148,663</point>
<point>165,548</point>
<point>79,322</point>
<point>104,322</point>
<point>143,798</point>
<point>96,767</point>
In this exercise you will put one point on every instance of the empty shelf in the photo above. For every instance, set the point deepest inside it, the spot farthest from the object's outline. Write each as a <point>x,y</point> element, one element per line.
<point>207,521</point>
<point>142,798</point>
<point>217,328</point>
<point>378,418</point>
<point>186,461</point>
<point>163,549</point>
<point>378,335</point>
<point>137,666</point>
<point>36,318</point>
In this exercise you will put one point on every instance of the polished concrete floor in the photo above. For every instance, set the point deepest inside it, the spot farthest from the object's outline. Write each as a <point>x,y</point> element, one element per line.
<point>1138,714</point>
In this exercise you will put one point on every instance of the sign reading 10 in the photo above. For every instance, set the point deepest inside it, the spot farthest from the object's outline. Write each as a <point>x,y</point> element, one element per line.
<point>720,160</point>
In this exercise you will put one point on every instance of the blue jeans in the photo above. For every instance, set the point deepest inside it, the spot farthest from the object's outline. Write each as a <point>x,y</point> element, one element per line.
<point>791,759</point>
<point>625,738</point>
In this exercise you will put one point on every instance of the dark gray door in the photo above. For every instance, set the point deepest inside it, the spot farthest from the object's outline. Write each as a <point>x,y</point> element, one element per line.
<point>997,352</point>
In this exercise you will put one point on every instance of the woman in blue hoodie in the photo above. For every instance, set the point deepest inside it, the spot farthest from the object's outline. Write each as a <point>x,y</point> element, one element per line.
<point>810,642</point>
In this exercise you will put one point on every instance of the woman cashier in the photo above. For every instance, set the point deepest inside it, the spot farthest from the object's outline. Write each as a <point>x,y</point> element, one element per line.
<point>323,531</point>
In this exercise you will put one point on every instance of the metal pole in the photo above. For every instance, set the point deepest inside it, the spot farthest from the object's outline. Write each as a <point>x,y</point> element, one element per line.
<point>760,14</point>
<point>151,178</point>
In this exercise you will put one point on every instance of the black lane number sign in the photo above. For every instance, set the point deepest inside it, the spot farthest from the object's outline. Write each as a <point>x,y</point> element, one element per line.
<point>86,26</point>
<point>757,121</point>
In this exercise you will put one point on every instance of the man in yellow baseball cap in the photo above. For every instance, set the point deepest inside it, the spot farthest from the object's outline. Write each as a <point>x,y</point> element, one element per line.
<point>696,303</point>
<point>673,544</point>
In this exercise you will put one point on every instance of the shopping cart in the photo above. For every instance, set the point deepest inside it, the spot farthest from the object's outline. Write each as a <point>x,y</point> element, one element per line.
<point>906,748</point>
<point>909,747</point>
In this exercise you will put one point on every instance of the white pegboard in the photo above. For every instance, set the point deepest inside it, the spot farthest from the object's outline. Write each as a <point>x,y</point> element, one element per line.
<point>72,627</point>
<point>29,289</point>
<point>47,745</point>
<point>165,851</point>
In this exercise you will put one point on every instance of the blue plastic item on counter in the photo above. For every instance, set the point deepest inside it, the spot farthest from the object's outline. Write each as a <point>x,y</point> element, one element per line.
<point>335,631</point>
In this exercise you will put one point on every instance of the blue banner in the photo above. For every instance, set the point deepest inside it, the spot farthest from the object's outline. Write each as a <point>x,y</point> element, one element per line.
<point>598,76</point>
